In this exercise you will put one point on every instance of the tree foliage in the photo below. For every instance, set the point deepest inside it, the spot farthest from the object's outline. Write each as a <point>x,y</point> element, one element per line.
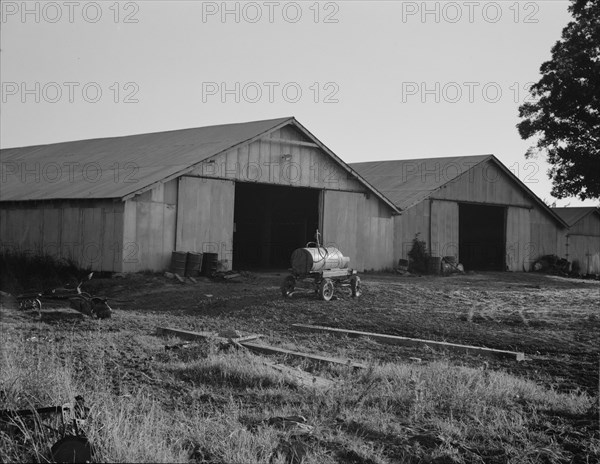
<point>564,114</point>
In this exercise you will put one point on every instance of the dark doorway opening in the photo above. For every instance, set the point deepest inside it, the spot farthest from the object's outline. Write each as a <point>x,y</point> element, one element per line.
<point>270,222</point>
<point>481,232</point>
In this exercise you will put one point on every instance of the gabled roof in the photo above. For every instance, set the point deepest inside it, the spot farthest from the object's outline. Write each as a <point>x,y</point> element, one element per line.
<point>575,214</point>
<point>119,167</point>
<point>408,182</point>
<point>115,161</point>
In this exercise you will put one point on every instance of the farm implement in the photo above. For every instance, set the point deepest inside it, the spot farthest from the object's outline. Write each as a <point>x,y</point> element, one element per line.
<point>81,301</point>
<point>322,269</point>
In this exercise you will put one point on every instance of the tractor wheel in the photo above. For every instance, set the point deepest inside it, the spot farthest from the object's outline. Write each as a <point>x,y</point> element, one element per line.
<point>326,289</point>
<point>288,286</point>
<point>355,286</point>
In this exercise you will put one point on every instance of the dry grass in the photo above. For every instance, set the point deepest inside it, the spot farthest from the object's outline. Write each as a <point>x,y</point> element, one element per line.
<point>204,405</point>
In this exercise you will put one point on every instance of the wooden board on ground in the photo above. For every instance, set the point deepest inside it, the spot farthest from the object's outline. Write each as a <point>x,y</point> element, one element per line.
<point>188,335</point>
<point>396,340</point>
<point>296,354</point>
<point>300,377</point>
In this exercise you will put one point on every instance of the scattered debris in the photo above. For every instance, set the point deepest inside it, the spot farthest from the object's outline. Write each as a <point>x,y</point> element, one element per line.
<point>231,276</point>
<point>192,280</point>
<point>178,346</point>
<point>189,335</point>
<point>169,275</point>
<point>292,424</point>
<point>264,349</point>
<point>91,306</point>
<point>415,360</point>
<point>450,266</point>
<point>179,278</point>
<point>551,264</point>
<point>229,333</point>
<point>300,377</point>
<point>73,446</point>
<point>395,340</point>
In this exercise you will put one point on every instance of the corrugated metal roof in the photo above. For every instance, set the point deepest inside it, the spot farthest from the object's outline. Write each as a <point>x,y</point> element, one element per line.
<point>116,166</point>
<point>407,182</point>
<point>575,214</point>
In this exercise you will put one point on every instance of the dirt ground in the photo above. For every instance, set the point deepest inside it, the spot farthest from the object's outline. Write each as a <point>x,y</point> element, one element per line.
<point>555,321</point>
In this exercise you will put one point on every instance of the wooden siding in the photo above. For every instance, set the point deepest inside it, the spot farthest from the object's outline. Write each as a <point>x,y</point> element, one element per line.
<point>547,238</point>
<point>588,225</point>
<point>413,221</point>
<point>89,232</point>
<point>484,183</point>
<point>261,161</point>
<point>518,239</point>
<point>583,244</point>
<point>205,217</point>
<point>444,228</point>
<point>361,227</point>
<point>530,231</point>
<point>584,253</point>
<point>149,229</point>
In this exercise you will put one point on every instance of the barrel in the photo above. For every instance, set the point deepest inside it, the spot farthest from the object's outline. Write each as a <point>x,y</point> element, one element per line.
<point>193,265</point>
<point>209,263</point>
<point>403,264</point>
<point>178,262</point>
<point>434,265</point>
<point>305,260</point>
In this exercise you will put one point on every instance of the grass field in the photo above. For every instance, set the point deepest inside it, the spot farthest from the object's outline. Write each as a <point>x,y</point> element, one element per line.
<point>213,404</point>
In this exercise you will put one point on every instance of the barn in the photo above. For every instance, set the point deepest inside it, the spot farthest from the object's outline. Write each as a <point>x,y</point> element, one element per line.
<point>470,207</point>
<point>250,192</point>
<point>582,239</point>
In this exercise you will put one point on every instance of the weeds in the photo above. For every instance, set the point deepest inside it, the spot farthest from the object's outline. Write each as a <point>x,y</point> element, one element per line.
<point>213,407</point>
<point>20,271</point>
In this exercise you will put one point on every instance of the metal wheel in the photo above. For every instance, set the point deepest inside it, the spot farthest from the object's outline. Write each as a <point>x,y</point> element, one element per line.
<point>30,303</point>
<point>326,289</point>
<point>288,286</point>
<point>355,286</point>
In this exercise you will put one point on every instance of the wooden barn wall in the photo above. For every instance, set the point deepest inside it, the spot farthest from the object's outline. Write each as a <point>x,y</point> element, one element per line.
<point>583,240</point>
<point>518,239</point>
<point>361,227</point>
<point>412,221</point>
<point>547,237</point>
<point>89,232</point>
<point>444,229</point>
<point>588,225</point>
<point>205,217</point>
<point>584,253</point>
<point>531,231</point>
<point>149,228</point>
<point>261,161</point>
<point>484,183</point>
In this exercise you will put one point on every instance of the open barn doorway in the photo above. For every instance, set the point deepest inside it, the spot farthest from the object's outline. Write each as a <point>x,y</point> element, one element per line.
<point>482,237</point>
<point>270,222</point>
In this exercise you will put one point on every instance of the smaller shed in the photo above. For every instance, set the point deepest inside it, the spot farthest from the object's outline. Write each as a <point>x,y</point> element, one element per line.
<point>582,238</point>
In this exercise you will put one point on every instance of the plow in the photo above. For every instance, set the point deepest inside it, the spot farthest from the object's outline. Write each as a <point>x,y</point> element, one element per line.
<point>321,269</point>
<point>79,300</point>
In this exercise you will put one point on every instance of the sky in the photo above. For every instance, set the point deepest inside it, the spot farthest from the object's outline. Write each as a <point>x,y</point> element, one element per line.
<point>372,80</point>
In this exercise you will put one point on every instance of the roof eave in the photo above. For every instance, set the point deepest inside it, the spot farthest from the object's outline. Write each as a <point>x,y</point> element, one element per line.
<point>195,165</point>
<point>362,180</point>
